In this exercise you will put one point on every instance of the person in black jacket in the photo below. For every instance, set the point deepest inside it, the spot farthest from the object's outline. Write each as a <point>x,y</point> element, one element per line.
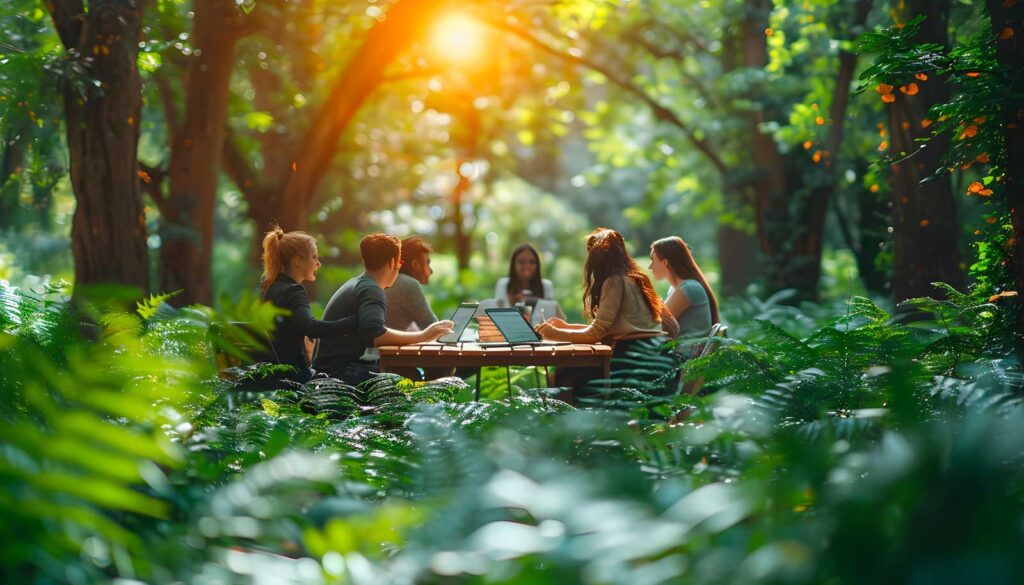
<point>288,260</point>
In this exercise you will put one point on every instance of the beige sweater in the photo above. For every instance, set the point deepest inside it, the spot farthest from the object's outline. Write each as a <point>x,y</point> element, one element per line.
<point>622,313</point>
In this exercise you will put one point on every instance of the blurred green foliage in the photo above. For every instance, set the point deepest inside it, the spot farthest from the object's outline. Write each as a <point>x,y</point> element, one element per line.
<point>835,444</point>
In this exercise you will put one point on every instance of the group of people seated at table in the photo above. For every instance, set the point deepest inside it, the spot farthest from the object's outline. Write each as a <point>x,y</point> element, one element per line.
<point>386,304</point>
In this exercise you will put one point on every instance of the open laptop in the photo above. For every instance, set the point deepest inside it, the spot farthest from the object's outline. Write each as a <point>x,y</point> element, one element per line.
<point>515,329</point>
<point>461,317</point>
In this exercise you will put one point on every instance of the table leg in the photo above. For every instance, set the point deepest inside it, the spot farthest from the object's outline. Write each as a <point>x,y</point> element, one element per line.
<point>508,380</point>
<point>479,374</point>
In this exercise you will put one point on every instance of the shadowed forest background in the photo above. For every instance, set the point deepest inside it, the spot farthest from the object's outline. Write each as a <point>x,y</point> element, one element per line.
<point>789,147</point>
<point>849,174</point>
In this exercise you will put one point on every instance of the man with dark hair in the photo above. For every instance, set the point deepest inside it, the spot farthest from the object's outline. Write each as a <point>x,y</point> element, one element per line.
<point>407,305</point>
<point>343,357</point>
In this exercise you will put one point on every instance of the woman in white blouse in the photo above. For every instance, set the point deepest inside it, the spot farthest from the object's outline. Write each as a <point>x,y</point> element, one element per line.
<point>524,282</point>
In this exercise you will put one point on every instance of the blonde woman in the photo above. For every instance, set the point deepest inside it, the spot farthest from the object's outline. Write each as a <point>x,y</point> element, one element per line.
<point>289,259</point>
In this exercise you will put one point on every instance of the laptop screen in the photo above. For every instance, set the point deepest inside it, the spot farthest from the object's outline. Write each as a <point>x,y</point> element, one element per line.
<point>512,325</point>
<point>461,317</point>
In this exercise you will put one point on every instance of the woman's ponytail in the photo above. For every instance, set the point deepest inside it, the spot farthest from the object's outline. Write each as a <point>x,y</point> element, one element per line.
<point>272,264</point>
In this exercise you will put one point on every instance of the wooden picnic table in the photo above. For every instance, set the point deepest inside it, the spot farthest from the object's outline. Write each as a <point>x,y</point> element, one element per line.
<point>473,355</point>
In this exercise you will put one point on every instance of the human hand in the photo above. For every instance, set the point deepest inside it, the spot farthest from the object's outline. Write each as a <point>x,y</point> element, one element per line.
<point>555,321</point>
<point>545,329</point>
<point>438,329</point>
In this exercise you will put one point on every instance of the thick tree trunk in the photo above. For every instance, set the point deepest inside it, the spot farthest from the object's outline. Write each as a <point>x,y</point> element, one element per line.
<point>739,255</point>
<point>924,214</point>
<point>1008,27</point>
<point>108,231</point>
<point>403,25</point>
<point>187,234</point>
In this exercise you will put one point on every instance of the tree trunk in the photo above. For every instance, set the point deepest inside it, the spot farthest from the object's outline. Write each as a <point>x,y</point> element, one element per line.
<point>12,155</point>
<point>873,218</point>
<point>1010,55</point>
<point>108,231</point>
<point>924,215</point>
<point>739,258</point>
<point>187,233</point>
<point>365,70</point>
<point>771,207</point>
<point>803,272</point>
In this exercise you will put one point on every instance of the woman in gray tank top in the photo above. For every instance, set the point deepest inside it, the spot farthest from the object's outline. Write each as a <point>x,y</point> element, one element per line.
<point>690,298</point>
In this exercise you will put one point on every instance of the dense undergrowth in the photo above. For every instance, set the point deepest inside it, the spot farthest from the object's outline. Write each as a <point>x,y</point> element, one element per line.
<point>829,446</point>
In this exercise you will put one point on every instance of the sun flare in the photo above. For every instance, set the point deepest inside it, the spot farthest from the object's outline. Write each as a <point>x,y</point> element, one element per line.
<point>457,37</point>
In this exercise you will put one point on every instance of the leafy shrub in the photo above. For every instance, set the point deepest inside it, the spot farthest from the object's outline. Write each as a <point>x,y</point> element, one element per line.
<point>832,450</point>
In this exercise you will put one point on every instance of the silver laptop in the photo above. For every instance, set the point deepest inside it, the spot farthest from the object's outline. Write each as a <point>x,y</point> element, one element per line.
<point>461,317</point>
<point>514,328</point>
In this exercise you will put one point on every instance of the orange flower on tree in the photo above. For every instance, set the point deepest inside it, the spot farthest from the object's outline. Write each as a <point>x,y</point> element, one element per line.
<point>983,158</point>
<point>972,74</point>
<point>909,89</point>
<point>926,123</point>
<point>969,132</point>
<point>921,77</point>
<point>977,188</point>
<point>888,98</point>
<point>1006,34</point>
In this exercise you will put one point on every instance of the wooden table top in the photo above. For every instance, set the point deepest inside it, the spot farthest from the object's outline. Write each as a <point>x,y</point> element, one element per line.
<point>474,349</point>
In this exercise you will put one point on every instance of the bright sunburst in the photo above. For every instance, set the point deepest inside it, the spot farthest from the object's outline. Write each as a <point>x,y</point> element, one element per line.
<point>457,37</point>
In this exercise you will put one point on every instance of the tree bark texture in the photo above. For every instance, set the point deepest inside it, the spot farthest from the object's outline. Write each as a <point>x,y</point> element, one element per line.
<point>771,203</point>
<point>1008,28</point>
<point>108,232</point>
<point>187,232</point>
<point>924,215</point>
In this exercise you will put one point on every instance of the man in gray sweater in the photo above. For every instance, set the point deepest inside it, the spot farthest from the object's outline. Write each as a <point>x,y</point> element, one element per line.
<point>407,306</point>
<point>363,295</point>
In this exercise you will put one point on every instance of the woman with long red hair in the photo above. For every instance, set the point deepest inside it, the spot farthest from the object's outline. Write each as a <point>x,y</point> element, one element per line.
<point>619,300</point>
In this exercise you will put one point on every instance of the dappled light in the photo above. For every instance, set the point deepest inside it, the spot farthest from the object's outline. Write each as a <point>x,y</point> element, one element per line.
<point>531,292</point>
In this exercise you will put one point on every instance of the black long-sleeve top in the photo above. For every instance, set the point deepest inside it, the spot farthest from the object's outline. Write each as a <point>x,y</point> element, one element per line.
<point>359,296</point>
<point>288,335</point>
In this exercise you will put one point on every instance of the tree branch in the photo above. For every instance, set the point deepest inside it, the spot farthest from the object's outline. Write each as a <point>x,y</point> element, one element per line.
<point>152,180</point>
<point>169,106</point>
<point>660,112</point>
<point>238,168</point>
